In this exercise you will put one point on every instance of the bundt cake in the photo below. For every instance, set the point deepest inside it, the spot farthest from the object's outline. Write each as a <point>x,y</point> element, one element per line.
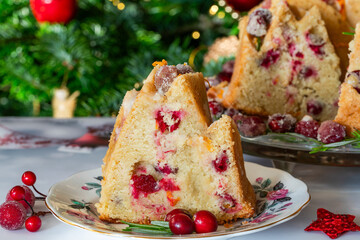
<point>349,102</point>
<point>352,9</point>
<point>284,65</point>
<point>164,153</point>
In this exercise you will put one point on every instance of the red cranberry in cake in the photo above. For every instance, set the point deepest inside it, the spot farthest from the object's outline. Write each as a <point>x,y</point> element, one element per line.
<point>330,132</point>
<point>216,109</point>
<point>166,169</point>
<point>307,127</point>
<point>316,43</point>
<point>271,57</point>
<point>143,184</point>
<point>356,83</point>
<point>164,77</point>
<point>168,120</point>
<point>184,68</point>
<point>228,203</point>
<point>314,107</point>
<point>280,123</point>
<point>250,126</point>
<point>172,213</point>
<point>168,184</point>
<point>259,22</point>
<point>221,162</point>
<point>307,72</point>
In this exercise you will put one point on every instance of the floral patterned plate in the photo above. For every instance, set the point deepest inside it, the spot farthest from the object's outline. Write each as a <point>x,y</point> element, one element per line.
<point>280,197</point>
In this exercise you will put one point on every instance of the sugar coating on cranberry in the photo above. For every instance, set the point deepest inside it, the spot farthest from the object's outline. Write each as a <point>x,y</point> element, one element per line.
<point>314,107</point>
<point>281,123</point>
<point>221,162</point>
<point>259,22</point>
<point>12,215</point>
<point>216,109</point>
<point>271,57</point>
<point>181,224</point>
<point>164,77</point>
<point>29,196</point>
<point>184,68</point>
<point>175,211</point>
<point>143,184</point>
<point>212,81</point>
<point>231,112</point>
<point>168,120</point>
<point>205,222</point>
<point>250,126</point>
<point>331,132</point>
<point>307,127</point>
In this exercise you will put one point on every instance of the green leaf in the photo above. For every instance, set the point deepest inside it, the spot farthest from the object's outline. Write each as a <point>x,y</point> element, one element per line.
<point>149,231</point>
<point>266,183</point>
<point>160,223</point>
<point>95,185</point>
<point>144,226</point>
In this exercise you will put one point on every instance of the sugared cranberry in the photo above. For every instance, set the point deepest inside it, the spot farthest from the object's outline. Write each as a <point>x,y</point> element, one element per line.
<point>250,126</point>
<point>216,109</point>
<point>17,193</point>
<point>227,71</point>
<point>314,107</point>
<point>331,132</point>
<point>164,126</point>
<point>212,81</point>
<point>29,196</point>
<point>33,223</point>
<point>307,127</point>
<point>164,77</point>
<point>181,224</point>
<point>168,184</point>
<point>272,56</point>
<point>231,112</point>
<point>176,211</point>
<point>28,178</point>
<point>280,123</point>
<point>184,68</point>
<point>259,22</point>
<point>205,222</point>
<point>221,162</point>
<point>316,43</point>
<point>145,184</point>
<point>12,215</point>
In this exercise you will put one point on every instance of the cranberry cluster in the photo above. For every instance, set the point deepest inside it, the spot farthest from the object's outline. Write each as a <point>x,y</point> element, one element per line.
<point>181,221</point>
<point>19,204</point>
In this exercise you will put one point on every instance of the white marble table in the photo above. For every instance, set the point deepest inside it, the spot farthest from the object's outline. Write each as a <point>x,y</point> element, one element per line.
<point>334,188</point>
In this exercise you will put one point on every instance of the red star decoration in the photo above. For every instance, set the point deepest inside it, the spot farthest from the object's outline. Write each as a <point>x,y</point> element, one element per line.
<point>332,224</point>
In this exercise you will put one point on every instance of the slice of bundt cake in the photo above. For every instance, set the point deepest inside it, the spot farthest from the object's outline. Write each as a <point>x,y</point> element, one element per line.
<point>164,154</point>
<point>284,65</point>
<point>349,102</point>
<point>352,9</point>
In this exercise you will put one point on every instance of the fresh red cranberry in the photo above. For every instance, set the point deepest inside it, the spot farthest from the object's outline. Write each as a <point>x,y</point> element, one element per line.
<point>17,193</point>
<point>164,78</point>
<point>316,43</point>
<point>28,178</point>
<point>331,132</point>
<point>205,222</point>
<point>307,72</point>
<point>176,211</point>
<point>12,215</point>
<point>33,223</point>
<point>272,56</point>
<point>216,109</point>
<point>168,184</point>
<point>163,126</point>
<point>250,126</point>
<point>314,107</point>
<point>280,123</point>
<point>166,169</point>
<point>184,68</point>
<point>29,196</point>
<point>145,184</point>
<point>181,224</point>
<point>307,127</point>
<point>259,21</point>
<point>221,162</point>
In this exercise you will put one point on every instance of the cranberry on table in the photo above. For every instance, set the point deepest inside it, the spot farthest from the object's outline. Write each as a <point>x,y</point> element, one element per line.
<point>28,178</point>
<point>176,211</point>
<point>12,215</point>
<point>259,22</point>
<point>307,127</point>
<point>281,123</point>
<point>29,196</point>
<point>250,126</point>
<point>331,132</point>
<point>205,222</point>
<point>33,223</point>
<point>181,224</point>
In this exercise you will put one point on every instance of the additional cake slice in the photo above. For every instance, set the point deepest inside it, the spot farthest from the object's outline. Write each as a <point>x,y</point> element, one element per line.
<point>349,102</point>
<point>164,154</point>
<point>284,65</point>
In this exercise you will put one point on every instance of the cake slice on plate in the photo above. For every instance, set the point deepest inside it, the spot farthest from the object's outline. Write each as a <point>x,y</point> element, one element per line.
<point>349,102</point>
<point>164,153</point>
<point>284,65</point>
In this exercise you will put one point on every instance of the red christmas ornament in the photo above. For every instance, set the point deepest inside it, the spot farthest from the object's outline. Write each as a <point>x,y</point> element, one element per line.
<point>242,5</point>
<point>332,224</point>
<point>53,11</point>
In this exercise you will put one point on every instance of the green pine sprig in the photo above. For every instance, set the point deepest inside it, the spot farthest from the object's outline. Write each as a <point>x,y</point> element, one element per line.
<point>156,227</point>
<point>349,33</point>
